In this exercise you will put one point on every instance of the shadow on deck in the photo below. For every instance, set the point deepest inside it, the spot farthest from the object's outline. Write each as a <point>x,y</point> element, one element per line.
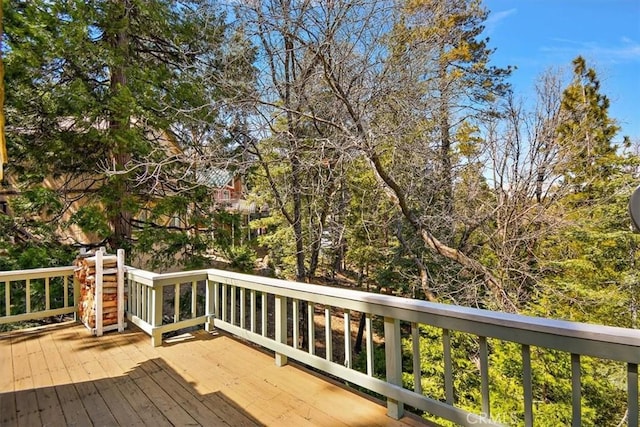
<point>65,376</point>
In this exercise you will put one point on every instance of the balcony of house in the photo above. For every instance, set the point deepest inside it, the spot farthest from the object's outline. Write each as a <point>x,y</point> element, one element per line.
<point>212,347</point>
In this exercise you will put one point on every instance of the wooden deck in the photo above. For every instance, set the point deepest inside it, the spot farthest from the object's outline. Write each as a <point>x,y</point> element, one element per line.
<point>63,376</point>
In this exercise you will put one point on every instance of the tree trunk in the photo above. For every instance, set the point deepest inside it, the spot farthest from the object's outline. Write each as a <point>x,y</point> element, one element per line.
<point>119,216</point>
<point>445,143</point>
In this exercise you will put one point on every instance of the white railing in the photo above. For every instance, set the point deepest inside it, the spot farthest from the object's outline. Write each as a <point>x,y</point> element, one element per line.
<point>234,303</point>
<point>37,294</point>
<point>261,310</point>
<point>155,302</point>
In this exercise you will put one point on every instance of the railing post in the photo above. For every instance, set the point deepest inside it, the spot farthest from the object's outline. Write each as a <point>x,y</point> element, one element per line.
<point>98,297</point>
<point>393,359</point>
<point>209,306</point>
<point>120,290</point>
<point>156,321</point>
<point>76,297</point>
<point>281,326</point>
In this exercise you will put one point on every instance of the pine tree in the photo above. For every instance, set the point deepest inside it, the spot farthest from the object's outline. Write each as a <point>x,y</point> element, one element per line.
<point>586,134</point>
<point>591,262</point>
<point>115,101</point>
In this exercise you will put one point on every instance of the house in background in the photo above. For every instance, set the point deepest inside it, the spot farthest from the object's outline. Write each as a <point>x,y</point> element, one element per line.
<point>76,191</point>
<point>227,188</point>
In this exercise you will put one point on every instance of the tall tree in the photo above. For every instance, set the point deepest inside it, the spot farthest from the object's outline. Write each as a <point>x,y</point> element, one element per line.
<point>387,120</point>
<point>115,101</point>
<point>592,259</point>
<point>299,159</point>
<point>586,133</point>
<point>3,143</point>
<point>442,41</point>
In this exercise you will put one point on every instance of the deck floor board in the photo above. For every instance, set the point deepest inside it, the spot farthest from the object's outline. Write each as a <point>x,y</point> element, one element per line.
<point>64,376</point>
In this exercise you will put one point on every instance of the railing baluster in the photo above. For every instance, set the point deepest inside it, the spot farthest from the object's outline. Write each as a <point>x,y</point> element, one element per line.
<point>234,301</point>
<point>224,303</point>
<point>312,327</point>
<point>28,296</point>
<point>65,291</point>
<point>76,297</point>
<point>448,366</point>
<point>369,331</point>
<point>209,305</point>
<point>295,315</point>
<point>417,369</point>
<point>243,302</point>
<point>348,362</point>
<point>281,326</point>
<point>47,294</point>
<point>328,336</point>
<point>194,299</point>
<point>632,394</point>
<point>142,303</point>
<point>263,313</point>
<point>253,310</point>
<point>142,292</point>
<point>527,386</point>
<point>176,303</point>
<point>484,377</point>
<point>132,300</point>
<point>576,392</point>
<point>216,300</point>
<point>7,298</point>
<point>149,304</point>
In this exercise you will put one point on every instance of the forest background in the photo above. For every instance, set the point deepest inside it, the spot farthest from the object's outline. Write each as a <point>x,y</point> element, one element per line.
<point>388,150</point>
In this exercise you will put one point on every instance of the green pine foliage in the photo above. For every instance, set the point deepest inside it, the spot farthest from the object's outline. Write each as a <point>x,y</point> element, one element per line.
<point>100,98</point>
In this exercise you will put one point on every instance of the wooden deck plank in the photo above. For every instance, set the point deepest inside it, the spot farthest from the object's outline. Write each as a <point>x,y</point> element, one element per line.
<point>209,389</point>
<point>27,412</point>
<point>71,401</point>
<point>188,400</point>
<point>120,403</point>
<point>48,403</point>
<point>94,404</point>
<point>107,380</point>
<point>66,376</point>
<point>122,368</point>
<point>158,397</point>
<point>7,395</point>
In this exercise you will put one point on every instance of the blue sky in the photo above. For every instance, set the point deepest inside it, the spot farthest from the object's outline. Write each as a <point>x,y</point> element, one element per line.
<point>535,35</point>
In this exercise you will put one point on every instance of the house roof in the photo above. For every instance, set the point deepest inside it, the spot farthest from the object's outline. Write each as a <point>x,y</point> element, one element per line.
<point>214,177</point>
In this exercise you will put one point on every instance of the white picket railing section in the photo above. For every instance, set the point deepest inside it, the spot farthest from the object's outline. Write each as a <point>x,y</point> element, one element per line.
<point>18,287</point>
<point>260,310</point>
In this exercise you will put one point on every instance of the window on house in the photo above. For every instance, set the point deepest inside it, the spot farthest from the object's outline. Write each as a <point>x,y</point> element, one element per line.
<point>226,195</point>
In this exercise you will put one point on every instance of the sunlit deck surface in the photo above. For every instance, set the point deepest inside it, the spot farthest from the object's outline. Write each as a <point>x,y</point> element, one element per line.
<point>62,375</point>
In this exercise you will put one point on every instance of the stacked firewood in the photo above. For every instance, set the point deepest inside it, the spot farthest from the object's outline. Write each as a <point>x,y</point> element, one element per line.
<point>88,275</point>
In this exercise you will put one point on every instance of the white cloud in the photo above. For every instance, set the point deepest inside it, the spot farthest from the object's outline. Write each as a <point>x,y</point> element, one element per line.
<point>627,50</point>
<point>495,18</point>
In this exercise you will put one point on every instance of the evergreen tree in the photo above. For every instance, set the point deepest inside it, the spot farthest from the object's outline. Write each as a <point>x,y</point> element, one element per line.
<point>118,104</point>
<point>591,261</point>
<point>586,134</point>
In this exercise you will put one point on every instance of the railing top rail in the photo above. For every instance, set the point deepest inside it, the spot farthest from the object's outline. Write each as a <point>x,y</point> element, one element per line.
<point>35,273</point>
<point>417,309</point>
<point>160,279</point>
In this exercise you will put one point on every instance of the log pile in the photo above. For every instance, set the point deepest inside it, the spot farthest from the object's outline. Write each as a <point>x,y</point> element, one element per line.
<point>100,279</point>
